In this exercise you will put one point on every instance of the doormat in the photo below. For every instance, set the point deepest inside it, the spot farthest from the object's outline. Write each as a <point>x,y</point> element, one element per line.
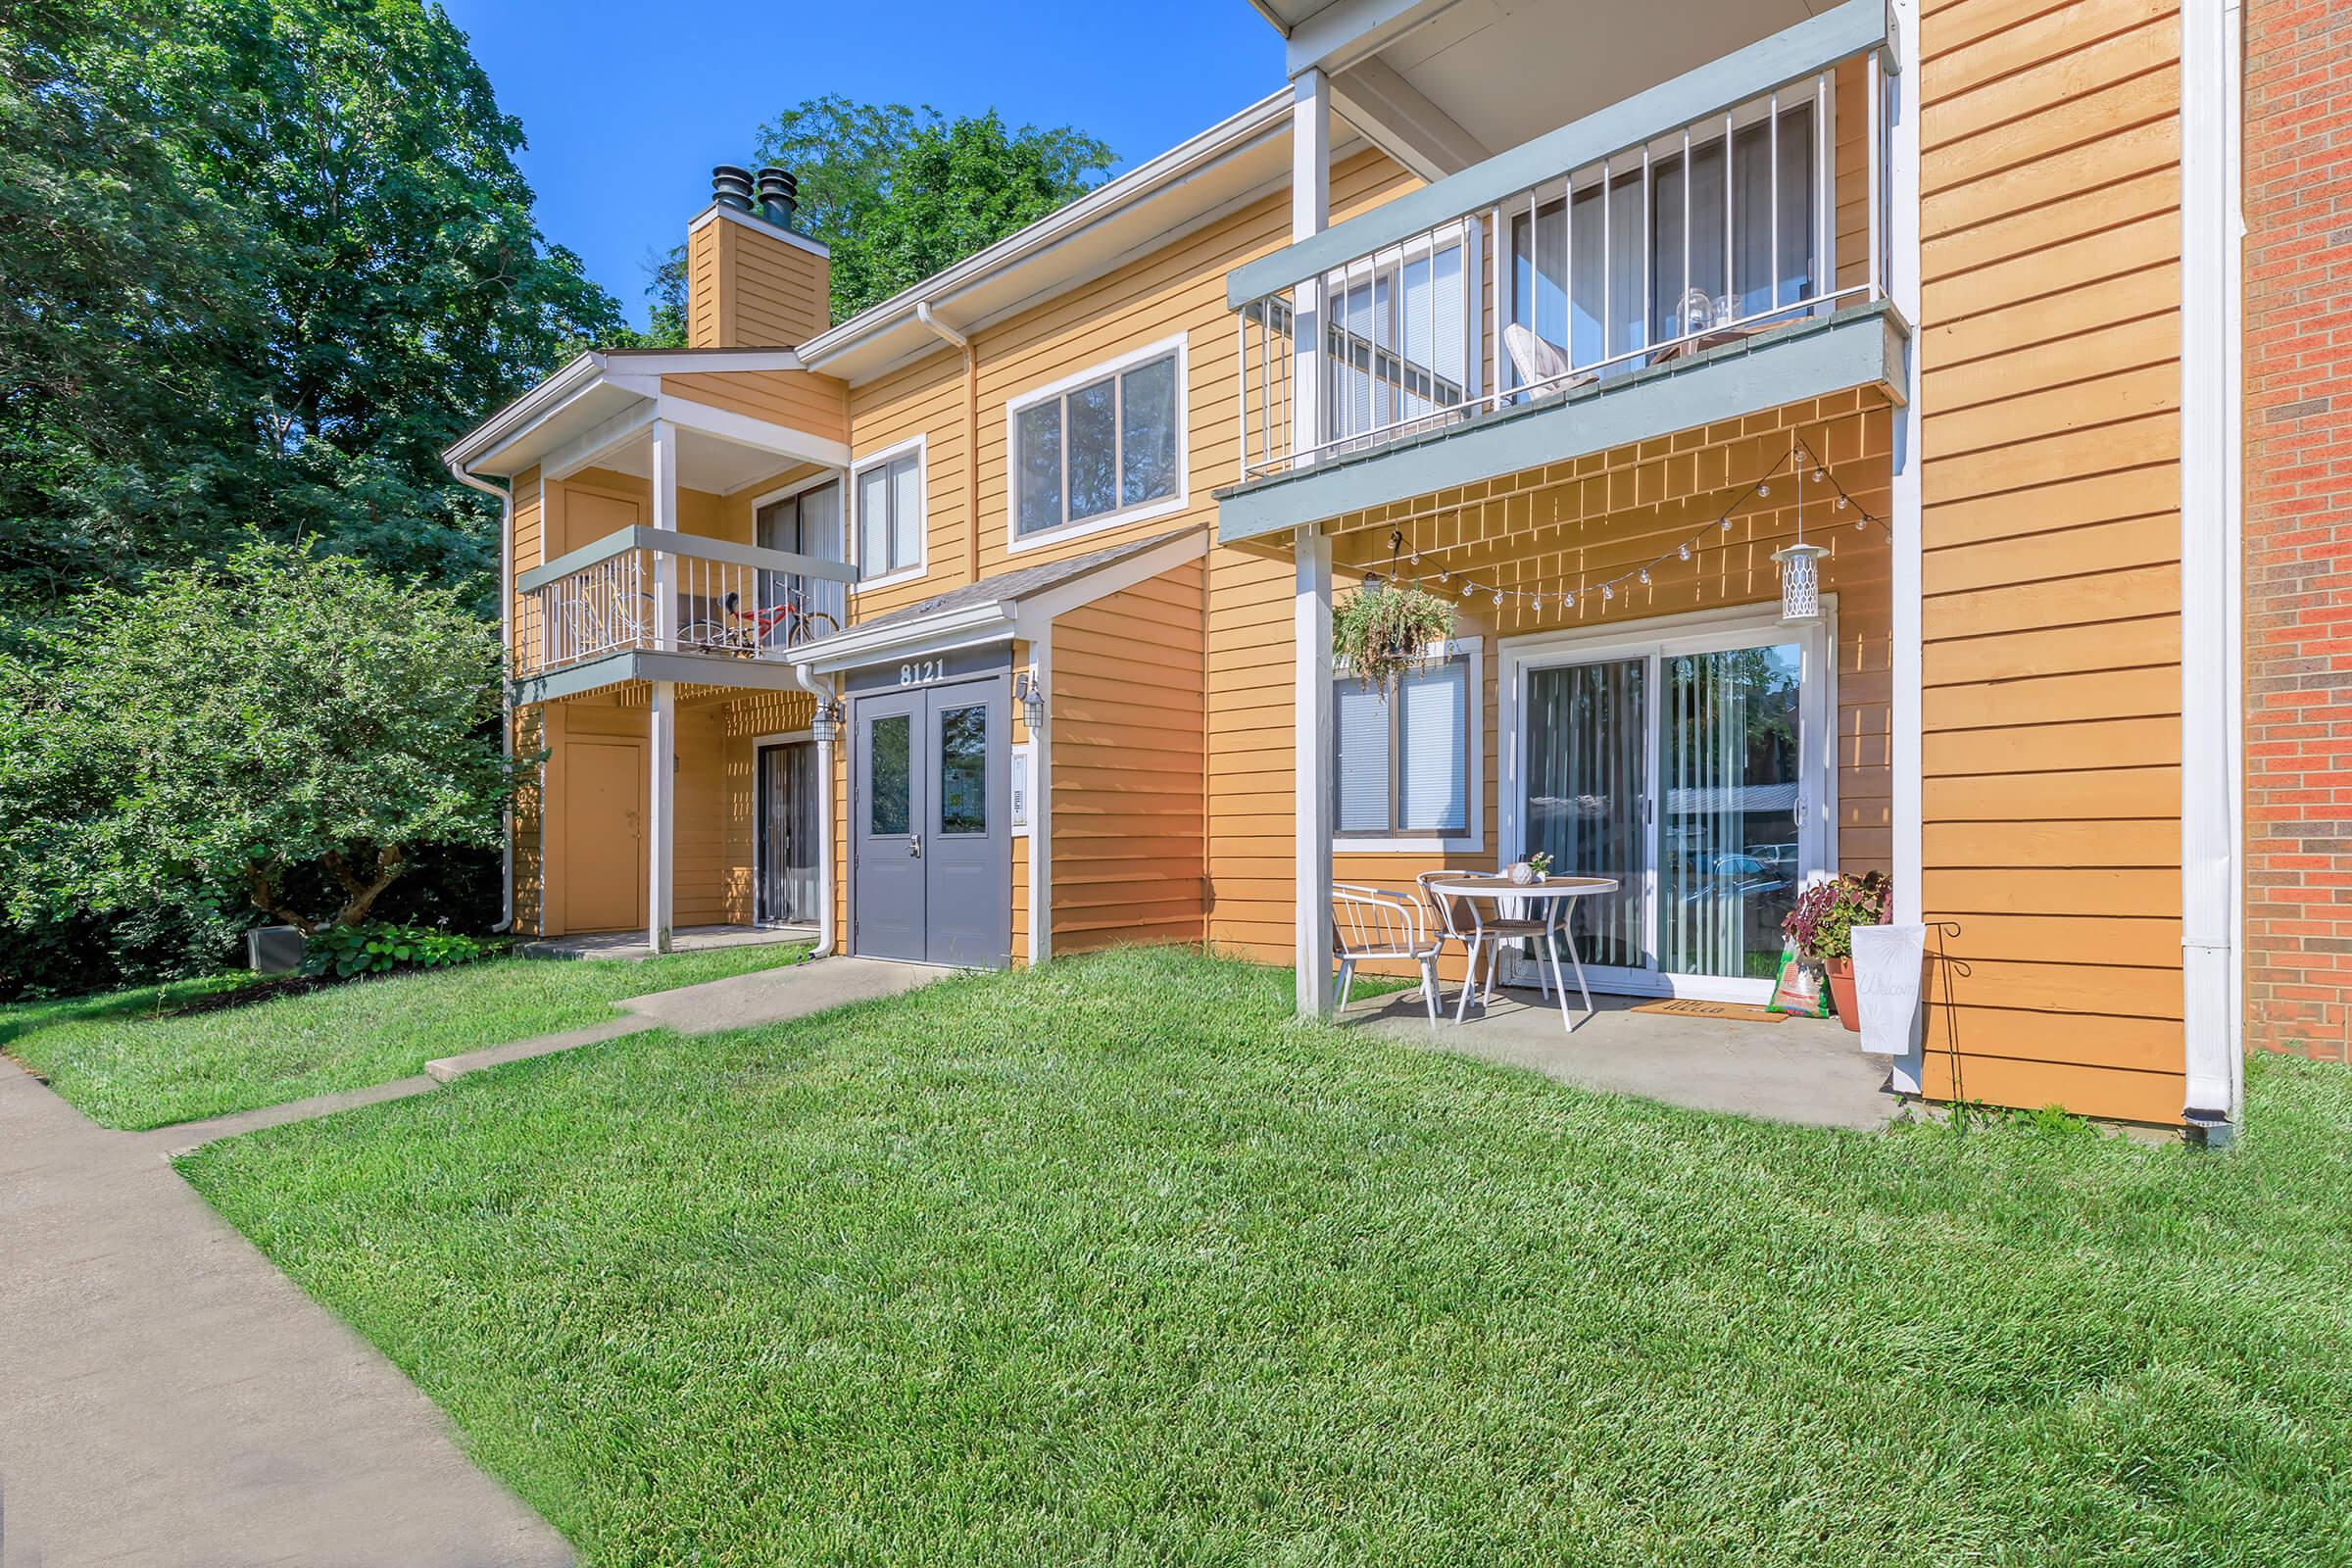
<point>1737,1011</point>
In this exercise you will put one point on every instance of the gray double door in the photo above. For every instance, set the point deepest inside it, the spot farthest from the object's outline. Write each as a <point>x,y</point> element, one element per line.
<point>929,829</point>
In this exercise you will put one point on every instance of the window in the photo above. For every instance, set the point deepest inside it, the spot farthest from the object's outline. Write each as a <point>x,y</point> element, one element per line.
<point>1102,448</point>
<point>1405,763</point>
<point>1399,345</point>
<point>889,493</point>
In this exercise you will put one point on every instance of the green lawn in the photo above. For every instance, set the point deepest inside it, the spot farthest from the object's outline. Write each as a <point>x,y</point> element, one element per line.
<point>125,1062</point>
<point>1109,1265</point>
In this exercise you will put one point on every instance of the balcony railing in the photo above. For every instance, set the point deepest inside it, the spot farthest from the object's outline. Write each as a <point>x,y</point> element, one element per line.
<point>651,590</point>
<point>1619,244</point>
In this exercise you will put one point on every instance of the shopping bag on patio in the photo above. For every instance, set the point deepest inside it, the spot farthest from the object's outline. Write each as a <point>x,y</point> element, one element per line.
<point>1799,992</point>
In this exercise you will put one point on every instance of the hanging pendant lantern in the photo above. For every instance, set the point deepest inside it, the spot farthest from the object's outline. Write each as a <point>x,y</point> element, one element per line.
<point>1800,568</point>
<point>1801,582</point>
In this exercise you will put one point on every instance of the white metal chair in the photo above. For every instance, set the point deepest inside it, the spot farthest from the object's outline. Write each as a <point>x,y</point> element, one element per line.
<point>1476,931</point>
<point>1542,366</point>
<point>1375,923</point>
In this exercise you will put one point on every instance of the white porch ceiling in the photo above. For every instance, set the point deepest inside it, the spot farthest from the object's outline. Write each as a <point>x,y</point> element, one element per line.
<point>1509,70</point>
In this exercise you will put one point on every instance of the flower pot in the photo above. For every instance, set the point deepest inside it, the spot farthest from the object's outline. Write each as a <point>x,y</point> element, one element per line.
<point>1841,991</point>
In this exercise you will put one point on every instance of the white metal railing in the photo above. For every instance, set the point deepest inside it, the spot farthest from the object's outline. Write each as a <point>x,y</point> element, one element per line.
<point>1702,235</point>
<point>643,589</point>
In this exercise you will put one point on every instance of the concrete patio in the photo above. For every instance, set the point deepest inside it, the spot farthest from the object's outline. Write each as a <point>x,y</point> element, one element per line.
<point>1805,1070</point>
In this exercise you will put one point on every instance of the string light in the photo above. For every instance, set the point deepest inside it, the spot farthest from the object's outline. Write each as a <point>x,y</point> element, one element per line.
<point>1684,550</point>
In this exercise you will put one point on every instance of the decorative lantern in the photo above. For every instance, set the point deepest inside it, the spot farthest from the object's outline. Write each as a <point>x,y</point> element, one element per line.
<point>1800,566</point>
<point>1030,693</point>
<point>1801,582</point>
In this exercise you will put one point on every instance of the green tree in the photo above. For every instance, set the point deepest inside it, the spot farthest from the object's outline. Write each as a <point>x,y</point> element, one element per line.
<point>899,193</point>
<point>321,200</point>
<point>236,732</point>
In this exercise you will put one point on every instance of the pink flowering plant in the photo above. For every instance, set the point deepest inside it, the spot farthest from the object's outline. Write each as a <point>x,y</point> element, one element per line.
<point>1822,923</point>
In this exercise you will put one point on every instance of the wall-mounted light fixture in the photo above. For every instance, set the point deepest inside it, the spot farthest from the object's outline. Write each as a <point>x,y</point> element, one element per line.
<point>1031,693</point>
<point>826,726</point>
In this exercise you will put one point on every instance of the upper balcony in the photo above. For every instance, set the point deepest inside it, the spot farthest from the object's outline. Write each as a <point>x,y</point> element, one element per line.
<point>655,604</point>
<point>1711,247</point>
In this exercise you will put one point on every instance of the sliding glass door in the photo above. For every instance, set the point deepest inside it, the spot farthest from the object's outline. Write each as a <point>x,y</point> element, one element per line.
<point>1693,772</point>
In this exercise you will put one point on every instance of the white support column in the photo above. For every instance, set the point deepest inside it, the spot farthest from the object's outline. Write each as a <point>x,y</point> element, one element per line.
<point>1899,101</point>
<point>2210,525</point>
<point>1311,766</point>
<point>661,721</point>
<point>661,865</point>
<point>1310,771</point>
<point>1311,215</point>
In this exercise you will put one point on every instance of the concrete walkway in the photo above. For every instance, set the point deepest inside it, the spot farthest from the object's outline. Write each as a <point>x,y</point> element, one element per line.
<point>167,1398</point>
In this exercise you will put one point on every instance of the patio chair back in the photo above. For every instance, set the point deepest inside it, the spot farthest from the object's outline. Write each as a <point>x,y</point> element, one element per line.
<point>1375,923</point>
<point>1442,907</point>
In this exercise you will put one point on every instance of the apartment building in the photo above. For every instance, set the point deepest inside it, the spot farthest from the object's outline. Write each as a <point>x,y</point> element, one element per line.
<point>993,624</point>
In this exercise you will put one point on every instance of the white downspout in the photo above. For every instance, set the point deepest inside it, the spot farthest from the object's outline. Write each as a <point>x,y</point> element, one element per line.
<point>2209,533</point>
<point>824,728</point>
<point>506,685</point>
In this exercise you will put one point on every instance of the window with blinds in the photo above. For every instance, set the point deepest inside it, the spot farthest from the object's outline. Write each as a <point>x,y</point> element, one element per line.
<point>890,516</point>
<point>1402,763</point>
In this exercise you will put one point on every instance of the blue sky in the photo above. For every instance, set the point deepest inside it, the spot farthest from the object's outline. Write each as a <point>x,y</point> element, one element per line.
<point>626,106</point>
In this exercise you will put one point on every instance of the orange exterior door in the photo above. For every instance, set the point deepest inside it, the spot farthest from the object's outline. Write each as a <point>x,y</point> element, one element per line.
<point>604,835</point>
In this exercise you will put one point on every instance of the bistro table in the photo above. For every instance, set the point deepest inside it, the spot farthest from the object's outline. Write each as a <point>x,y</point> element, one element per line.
<point>1553,894</point>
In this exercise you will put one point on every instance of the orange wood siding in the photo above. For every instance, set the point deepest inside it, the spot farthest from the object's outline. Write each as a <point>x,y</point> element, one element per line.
<point>1128,731</point>
<point>2050,341</point>
<point>1176,290</point>
<point>924,398</point>
<point>797,399</point>
<point>747,288</point>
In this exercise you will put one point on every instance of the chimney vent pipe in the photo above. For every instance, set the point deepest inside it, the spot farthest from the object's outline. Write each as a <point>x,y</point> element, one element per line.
<point>779,195</point>
<point>731,186</point>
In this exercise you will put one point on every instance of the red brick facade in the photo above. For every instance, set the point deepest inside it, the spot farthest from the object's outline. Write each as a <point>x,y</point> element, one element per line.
<point>2298,526</point>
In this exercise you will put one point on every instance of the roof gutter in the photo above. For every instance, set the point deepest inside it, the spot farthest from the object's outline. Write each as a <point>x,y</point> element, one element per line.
<point>506,688</point>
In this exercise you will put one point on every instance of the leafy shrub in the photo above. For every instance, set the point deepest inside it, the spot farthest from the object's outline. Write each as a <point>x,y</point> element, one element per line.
<point>1826,914</point>
<point>378,946</point>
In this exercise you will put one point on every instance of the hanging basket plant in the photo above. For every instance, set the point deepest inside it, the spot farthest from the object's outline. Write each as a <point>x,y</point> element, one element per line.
<point>1379,633</point>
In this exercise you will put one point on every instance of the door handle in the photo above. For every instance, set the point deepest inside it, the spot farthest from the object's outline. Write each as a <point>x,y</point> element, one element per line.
<point>914,847</point>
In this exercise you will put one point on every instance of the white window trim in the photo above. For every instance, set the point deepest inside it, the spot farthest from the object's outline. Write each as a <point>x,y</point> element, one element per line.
<point>1471,839</point>
<point>853,545</point>
<point>1016,541</point>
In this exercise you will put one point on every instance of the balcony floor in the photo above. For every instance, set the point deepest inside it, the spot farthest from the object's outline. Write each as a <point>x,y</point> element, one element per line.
<point>1810,1071</point>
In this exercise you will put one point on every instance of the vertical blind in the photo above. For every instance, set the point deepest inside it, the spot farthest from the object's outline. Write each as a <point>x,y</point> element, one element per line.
<point>1596,306</point>
<point>1587,766</point>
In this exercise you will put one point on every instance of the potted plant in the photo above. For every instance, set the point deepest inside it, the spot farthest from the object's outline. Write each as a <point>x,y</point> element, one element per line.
<point>1822,924</point>
<point>1379,633</point>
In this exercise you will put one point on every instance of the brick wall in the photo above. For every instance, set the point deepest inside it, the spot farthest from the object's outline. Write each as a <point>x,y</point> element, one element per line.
<point>2298,526</point>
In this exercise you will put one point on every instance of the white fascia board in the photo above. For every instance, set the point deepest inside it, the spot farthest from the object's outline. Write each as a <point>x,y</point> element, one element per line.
<point>965,627</point>
<point>1269,114</point>
<point>700,361</point>
<point>1033,615</point>
<point>511,423</point>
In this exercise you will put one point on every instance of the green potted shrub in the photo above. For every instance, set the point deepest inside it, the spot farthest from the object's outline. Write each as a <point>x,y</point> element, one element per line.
<point>1381,632</point>
<point>1820,926</point>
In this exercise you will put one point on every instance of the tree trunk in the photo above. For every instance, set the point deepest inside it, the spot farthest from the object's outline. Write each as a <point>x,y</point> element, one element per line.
<point>261,885</point>
<point>358,897</point>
